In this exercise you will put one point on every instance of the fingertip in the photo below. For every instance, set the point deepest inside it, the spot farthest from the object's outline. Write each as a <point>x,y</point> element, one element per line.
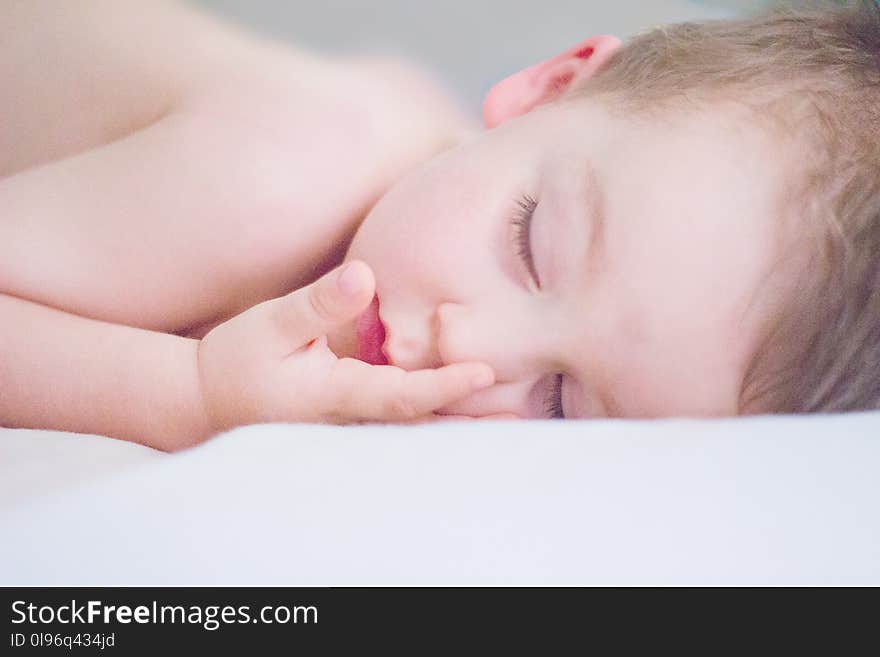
<point>504,416</point>
<point>482,376</point>
<point>355,278</point>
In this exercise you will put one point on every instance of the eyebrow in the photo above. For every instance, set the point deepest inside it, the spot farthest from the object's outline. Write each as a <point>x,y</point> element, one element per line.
<point>595,218</point>
<point>586,263</point>
<point>568,229</point>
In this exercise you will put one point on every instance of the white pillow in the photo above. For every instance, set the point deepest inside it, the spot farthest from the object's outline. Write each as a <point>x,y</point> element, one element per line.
<point>758,500</point>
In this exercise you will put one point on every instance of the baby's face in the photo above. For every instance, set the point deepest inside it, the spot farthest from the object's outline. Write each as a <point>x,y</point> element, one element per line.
<point>649,244</point>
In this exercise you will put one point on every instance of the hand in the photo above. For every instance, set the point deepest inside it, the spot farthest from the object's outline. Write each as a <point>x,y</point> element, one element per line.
<point>271,363</point>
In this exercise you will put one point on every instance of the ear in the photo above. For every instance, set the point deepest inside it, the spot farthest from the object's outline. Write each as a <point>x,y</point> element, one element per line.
<point>541,83</point>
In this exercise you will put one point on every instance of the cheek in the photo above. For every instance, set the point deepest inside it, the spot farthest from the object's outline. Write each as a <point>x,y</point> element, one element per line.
<point>403,246</point>
<point>431,230</point>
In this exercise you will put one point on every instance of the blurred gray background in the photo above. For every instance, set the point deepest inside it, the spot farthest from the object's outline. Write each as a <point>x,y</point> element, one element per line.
<point>469,44</point>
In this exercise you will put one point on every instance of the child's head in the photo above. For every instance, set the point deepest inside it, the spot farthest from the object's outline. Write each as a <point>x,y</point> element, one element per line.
<point>703,209</point>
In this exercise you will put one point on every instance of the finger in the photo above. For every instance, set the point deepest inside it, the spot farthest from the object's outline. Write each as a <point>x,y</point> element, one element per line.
<point>314,310</point>
<point>481,418</point>
<point>385,392</point>
<point>442,417</point>
<point>434,417</point>
<point>501,416</point>
<point>491,416</point>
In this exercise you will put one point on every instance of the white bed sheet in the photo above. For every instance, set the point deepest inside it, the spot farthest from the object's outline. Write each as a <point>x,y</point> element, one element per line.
<point>760,500</point>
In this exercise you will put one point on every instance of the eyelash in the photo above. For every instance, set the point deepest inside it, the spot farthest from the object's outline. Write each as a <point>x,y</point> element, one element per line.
<point>553,403</point>
<point>522,223</point>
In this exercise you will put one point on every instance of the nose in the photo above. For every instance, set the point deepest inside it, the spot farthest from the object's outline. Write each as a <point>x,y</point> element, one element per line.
<point>445,326</point>
<point>456,332</point>
<point>413,345</point>
<point>503,339</point>
<point>488,334</point>
<point>506,336</point>
<point>437,342</point>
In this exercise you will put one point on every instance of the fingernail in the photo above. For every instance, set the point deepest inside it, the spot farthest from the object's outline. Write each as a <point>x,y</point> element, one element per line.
<point>484,378</point>
<point>350,281</point>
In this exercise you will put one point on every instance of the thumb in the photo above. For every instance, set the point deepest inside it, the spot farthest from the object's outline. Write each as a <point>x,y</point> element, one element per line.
<point>314,310</point>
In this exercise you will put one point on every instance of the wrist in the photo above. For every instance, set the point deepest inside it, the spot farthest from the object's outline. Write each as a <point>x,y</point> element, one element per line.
<point>198,424</point>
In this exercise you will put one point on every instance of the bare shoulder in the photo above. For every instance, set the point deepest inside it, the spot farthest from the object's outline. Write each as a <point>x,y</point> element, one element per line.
<point>417,101</point>
<point>329,136</point>
<point>261,165</point>
<point>82,73</point>
<point>397,113</point>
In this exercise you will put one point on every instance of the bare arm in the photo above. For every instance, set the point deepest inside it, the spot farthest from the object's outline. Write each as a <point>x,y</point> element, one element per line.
<point>80,73</point>
<point>65,372</point>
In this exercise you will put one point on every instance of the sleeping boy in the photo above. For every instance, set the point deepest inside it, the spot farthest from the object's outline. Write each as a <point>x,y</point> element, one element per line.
<point>201,230</point>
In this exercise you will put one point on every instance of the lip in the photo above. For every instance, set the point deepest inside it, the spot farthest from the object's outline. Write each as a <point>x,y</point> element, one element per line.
<point>371,335</point>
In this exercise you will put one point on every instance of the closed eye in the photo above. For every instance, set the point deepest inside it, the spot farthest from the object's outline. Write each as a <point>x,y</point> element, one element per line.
<point>521,220</point>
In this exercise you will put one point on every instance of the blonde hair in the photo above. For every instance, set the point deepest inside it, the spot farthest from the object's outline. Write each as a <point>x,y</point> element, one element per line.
<point>811,72</point>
